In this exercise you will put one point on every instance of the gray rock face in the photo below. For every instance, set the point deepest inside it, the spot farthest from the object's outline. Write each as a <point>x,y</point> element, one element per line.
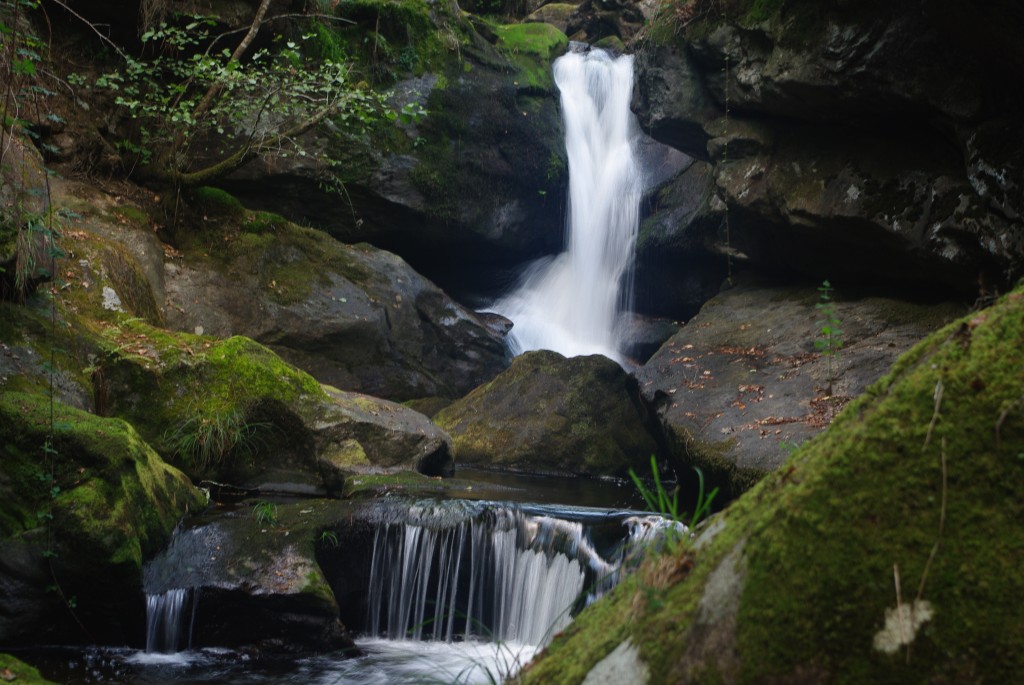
<point>255,580</point>
<point>680,251</point>
<point>854,135</point>
<point>742,382</point>
<point>671,99</point>
<point>363,320</point>
<point>549,414</point>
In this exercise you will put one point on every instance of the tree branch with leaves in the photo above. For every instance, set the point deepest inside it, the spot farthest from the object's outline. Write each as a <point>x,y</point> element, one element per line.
<point>201,114</point>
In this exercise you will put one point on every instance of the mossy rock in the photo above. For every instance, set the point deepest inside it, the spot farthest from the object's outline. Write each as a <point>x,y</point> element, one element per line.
<point>884,551</point>
<point>83,503</point>
<point>16,672</point>
<point>549,414</point>
<point>216,202</point>
<point>266,588</point>
<point>532,48</point>
<point>232,410</point>
<point>407,484</point>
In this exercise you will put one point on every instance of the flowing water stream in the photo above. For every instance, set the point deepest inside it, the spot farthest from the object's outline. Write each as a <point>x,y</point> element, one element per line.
<point>461,591</point>
<point>454,591</point>
<point>572,303</point>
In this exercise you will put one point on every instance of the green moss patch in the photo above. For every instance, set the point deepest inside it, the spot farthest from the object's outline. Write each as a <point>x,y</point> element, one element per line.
<point>16,672</point>
<point>112,500</point>
<point>532,48</point>
<point>229,396</point>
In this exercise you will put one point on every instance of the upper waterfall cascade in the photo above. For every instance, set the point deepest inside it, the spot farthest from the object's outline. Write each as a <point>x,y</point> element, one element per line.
<point>572,303</point>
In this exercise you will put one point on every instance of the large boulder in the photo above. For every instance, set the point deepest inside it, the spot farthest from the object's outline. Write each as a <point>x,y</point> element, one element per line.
<point>83,503</point>
<point>853,134</point>
<point>883,552</point>
<point>746,380</point>
<point>251,577</point>
<point>233,411</point>
<point>356,317</point>
<point>549,414</point>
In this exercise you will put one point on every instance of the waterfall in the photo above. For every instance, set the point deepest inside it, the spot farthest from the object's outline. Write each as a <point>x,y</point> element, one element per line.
<point>572,303</point>
<point>165,629</point>
<point>504,575</point>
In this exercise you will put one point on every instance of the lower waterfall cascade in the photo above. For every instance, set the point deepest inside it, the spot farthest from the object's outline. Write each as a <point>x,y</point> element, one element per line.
<point>459,571</point>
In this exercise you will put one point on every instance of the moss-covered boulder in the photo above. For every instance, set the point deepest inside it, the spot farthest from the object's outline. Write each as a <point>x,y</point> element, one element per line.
<point>83,503</point>
<point>549,414</point>
<point>253,578</point>
<point>17,672</point>
<point>752,375</point>
<point>232,410</point>
<point>884,551</point>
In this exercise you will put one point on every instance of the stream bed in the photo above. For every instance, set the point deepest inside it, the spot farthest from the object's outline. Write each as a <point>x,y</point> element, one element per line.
<point>436,590</point>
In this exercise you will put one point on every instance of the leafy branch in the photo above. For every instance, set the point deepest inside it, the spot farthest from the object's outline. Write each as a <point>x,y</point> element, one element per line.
<point>189,101</point>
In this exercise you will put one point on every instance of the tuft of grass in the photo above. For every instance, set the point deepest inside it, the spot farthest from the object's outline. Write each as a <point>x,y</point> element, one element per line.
<point>659,499</point>
<point>206,442</point>
<point>265,512</point>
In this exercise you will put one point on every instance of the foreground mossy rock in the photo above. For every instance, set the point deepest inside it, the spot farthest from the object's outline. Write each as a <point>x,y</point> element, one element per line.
<point>232,410</point>
<point>549,414</point>
<point>254,576</point>
<point>17,672</point>
<point>744,382</point>
<point>80,514</point>
<point>885,551</point>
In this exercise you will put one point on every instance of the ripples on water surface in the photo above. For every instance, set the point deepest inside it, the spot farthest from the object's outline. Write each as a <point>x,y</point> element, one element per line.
<point>385,662</point>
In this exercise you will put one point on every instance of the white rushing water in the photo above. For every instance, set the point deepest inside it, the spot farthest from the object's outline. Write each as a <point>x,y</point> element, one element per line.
<point>458,592</point>
<point>572,303</point>
<point>165,621</point>
<point>513,578</point>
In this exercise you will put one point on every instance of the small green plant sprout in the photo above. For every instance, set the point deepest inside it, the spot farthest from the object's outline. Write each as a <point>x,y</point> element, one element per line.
<point>411,113</point>
<point>789,447</point>
<point>329,538</point>
<point>830,336</point>
<point>265,512</point>
<point>661,501</point>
